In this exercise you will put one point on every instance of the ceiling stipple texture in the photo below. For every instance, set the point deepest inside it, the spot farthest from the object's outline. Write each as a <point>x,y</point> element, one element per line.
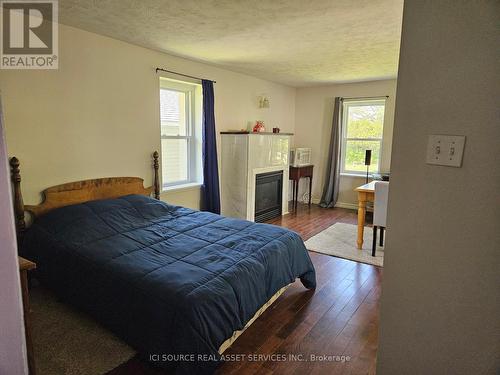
<point>295,42</point>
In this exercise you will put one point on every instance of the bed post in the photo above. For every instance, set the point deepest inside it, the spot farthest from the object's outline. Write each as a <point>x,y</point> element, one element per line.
<point>156,181</point>
<point>18,197</point>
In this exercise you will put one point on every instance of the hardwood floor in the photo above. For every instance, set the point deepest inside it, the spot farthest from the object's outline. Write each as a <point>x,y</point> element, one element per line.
<point>339,318</point>
<point>310,221</point>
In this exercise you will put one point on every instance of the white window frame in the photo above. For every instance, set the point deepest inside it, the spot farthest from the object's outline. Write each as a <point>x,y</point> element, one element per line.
<point>345,110</point>
<point>193,133</point>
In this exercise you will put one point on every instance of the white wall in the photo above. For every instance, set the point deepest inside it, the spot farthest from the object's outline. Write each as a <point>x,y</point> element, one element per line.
<point>98,115</point>
<point>12,345</point>
<point>440,302</point>
<point>313,118</point>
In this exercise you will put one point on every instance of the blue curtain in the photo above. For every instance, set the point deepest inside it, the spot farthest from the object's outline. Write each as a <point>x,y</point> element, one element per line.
<point>210,188</point>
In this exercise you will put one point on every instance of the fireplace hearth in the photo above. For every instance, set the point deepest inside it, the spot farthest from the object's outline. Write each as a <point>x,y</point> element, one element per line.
<point>268,195</point>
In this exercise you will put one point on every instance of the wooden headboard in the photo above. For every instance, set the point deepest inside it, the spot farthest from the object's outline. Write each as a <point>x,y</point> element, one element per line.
<point>79,192</point>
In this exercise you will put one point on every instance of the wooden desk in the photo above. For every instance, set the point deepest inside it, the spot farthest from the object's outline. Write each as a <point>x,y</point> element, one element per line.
<point>295,174</point>
<point>366,193</point>
<point>24,266</point>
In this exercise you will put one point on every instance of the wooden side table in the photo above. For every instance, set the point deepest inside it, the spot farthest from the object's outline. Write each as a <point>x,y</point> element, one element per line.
<point>295,174</point>
<point>24,266</point>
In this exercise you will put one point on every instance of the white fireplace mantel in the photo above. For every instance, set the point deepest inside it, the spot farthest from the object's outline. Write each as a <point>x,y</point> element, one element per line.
<point>243,157</point>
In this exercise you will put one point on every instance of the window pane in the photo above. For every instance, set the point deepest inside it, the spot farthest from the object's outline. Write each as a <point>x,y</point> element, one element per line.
<point>355,155</point>
<point>174,160</point>
<point>365,121</point>
<point>173,112</point>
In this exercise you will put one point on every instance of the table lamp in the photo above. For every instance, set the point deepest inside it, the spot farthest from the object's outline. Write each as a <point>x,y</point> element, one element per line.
<point>368,160</point>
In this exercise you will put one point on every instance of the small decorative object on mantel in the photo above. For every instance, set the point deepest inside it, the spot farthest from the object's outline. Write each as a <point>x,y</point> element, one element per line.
<point>259,127</point>
<point>276,130</point>
<point>233,131</point>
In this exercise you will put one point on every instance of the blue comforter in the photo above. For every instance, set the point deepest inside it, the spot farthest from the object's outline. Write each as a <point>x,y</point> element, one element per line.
<point>172,282</point>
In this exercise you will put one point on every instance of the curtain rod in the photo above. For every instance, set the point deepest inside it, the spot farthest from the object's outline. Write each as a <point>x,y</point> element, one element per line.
<point>181,74</point>
<point>367,97</point>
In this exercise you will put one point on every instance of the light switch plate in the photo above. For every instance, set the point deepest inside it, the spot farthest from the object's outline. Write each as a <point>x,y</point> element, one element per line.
<point>445,150</point>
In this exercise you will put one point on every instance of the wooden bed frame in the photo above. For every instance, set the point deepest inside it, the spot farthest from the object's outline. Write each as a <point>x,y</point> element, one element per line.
<point>95,189</point>
<point>78,192</point>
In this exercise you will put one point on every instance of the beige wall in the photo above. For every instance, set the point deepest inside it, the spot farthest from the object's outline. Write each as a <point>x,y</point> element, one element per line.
<point>313,118</point>
<point>98,115</point>
<point>440,301</point>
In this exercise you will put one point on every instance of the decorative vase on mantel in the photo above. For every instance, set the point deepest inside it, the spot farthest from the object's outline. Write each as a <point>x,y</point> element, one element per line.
<point>259,127</point>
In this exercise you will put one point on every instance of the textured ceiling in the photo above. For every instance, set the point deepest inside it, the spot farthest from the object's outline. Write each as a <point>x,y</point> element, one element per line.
<point>294,42</point>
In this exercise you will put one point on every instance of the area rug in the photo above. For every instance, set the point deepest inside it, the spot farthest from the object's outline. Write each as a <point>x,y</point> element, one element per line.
<point>340,240</point>
<point>67,342</point>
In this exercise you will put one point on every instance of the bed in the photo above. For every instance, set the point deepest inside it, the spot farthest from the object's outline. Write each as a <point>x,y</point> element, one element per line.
<point>174,283</point>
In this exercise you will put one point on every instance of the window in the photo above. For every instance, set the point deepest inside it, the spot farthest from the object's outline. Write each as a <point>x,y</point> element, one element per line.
<point>180,117</point>
<point>362,124</point>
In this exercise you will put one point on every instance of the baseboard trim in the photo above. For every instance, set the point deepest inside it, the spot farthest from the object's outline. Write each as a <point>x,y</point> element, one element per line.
<point>350,206</point>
